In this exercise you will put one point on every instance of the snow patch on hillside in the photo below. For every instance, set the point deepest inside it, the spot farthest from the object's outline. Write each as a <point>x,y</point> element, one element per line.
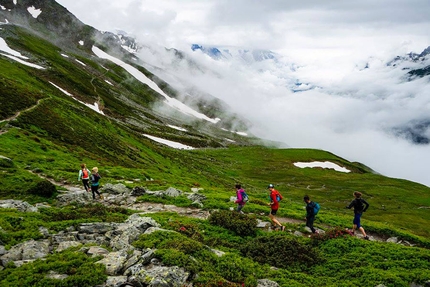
<point>325,164</point>
<point>94,107</point>
<point>168,142</point>
<point>174,103</point>
<point>34,12</point>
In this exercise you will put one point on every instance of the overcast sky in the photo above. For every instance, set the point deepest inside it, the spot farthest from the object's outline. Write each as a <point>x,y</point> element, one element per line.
<point>330,42</point>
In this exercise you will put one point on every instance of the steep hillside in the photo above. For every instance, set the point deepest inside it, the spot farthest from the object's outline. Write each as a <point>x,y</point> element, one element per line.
<point>70,94</point>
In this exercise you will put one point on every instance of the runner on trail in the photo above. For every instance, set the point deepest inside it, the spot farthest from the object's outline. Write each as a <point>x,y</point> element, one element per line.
<point>360,206</point>
<point>95,177</point>
<point>84,173</point>
<point>240,198</point>
<point>310,213</point>
<point>275,197</point>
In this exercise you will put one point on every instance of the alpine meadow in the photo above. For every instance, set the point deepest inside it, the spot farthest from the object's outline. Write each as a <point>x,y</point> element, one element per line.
<point>70,94</point>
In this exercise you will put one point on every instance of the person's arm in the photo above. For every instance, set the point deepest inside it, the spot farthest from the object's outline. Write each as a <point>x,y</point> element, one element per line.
<point>350,205</point>
<point>272,198</point>
<point>80,174</point>
<point>308,210</point>
<point>366,205</point>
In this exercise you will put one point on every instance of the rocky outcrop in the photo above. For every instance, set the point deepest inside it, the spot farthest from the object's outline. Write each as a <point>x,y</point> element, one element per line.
<point>18,204</point>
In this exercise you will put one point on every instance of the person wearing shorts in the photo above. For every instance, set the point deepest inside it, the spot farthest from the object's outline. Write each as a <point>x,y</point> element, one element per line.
<point>274,195</point>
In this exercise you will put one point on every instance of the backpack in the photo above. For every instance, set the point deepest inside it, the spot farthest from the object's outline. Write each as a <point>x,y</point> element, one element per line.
<point>245,197</point>
<point>278,196</point>
<point>316,208</point>
<point>96,178</point>
<point>85,173</point>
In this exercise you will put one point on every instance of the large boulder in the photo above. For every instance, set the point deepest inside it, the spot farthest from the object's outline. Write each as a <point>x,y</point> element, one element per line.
<point>115,188</point>
<point>28,250</point>
<point>160,276</point>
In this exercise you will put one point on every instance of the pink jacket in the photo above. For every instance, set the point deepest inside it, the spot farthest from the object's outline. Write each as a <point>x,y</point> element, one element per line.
<point>239,197</point>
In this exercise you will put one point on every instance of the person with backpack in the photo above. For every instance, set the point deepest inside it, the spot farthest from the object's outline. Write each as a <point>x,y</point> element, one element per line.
<point>95,178</point>
<point>275,197</point>
<point>312,209</point>
<point>360,205</point>
<point>242,198</point>
<point>84,173</point>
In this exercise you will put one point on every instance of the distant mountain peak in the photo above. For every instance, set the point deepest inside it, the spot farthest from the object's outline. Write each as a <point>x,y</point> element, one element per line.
<point>247,55</point>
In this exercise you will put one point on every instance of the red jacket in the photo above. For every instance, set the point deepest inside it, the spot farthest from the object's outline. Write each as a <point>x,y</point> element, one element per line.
<point>273,199</point>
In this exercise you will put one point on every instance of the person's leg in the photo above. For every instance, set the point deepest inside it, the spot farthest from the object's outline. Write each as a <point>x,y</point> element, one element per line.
<point>239,208</point>
<point>97,190</point>
<point>86,184</point>
<point>274,220</point>
<point>362,231</point>
<point>310,223</point>
<point>356,222</point>
<point>93,191</point>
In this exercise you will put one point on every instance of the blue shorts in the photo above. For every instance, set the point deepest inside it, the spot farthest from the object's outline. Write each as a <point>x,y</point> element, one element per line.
<point>356,220</point>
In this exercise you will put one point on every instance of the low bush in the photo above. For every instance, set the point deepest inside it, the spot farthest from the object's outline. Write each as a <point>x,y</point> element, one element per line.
<point>241,224</point>
<point>43,188</point>
<point>79,268</point>
<point>282,252</point>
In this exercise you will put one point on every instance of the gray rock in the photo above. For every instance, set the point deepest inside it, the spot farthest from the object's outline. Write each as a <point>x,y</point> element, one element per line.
<point>97,251</point>
<point>44,231</point>
<point>266,283</point>
<point>35,249</point>
<point>393,240</point>
<point>115,281</point>
<point>162,276</point>
<point>17,204</point>
<point>97,227</point>
<point>2,250</point>
<point>197,197</point>
<point>173,192</point>
<point>298,233</point>
<point>26,251</point>
<point>75,197</point>
<point>263,224</point>
<point>114,262</point>
<point>115,189</point>
<point>67,244</point>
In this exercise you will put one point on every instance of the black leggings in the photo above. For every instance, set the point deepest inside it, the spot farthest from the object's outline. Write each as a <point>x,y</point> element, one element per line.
<point>86,183</point>
<point>94,190</point>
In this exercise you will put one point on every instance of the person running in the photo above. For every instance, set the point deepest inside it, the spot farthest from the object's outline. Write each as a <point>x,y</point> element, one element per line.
<point>240,198</point>
<point>84,173</point>
<point>95,178</point>
<point>360,206</point>
<point>275,197</point>
<point>310,213</point>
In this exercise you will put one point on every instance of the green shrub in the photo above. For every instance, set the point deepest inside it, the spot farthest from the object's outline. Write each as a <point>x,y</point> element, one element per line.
<point>43,188</point>
<point>80,269</point>
<point>212,279</point>
<point>281,251</point>
<point>189,229</point>
<point>331,234</point>
<point>241,224</point>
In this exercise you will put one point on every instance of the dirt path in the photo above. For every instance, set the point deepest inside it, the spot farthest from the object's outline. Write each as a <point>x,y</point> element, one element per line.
<point>151,207</point>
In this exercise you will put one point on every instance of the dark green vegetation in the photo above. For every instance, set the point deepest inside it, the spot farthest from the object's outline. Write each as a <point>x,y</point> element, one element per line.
<point>53,133</point>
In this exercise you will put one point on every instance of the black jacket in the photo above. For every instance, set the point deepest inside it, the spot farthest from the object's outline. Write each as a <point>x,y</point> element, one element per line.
<point>359,204</point>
